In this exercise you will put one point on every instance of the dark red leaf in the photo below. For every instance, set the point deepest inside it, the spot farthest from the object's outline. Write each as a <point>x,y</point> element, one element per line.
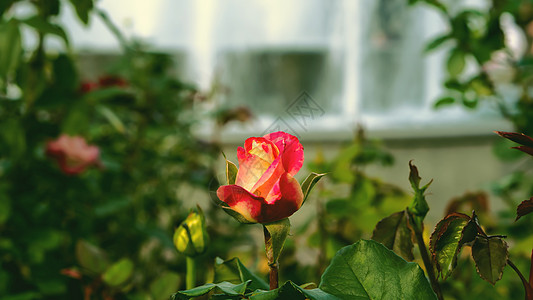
<point>525,149</point>
<point>520,138</point>
<point>524,208</point>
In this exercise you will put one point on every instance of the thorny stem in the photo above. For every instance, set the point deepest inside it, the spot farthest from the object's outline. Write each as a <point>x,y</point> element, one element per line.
<point>273,265</point>
<point>528,289</point>
<point>425,257</point>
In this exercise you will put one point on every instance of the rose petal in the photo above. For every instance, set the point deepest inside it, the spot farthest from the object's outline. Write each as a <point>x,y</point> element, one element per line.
<point>256,209</point>
<point>241,201</point>
<point>255,159</point>
<point>289,202</point>
<point>262,148</point>
<point>291,150</point>
<point>270,178</point>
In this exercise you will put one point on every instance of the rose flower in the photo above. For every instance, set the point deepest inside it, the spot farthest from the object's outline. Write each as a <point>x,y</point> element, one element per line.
<point>265,189</point>
<point>72,153</point>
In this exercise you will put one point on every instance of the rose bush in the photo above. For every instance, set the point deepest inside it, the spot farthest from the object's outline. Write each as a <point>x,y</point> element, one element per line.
<point>73,154</point>
<point>265,189</point>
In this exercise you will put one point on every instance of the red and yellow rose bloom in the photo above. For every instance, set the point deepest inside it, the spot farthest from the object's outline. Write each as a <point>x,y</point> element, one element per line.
<point>265,189</point>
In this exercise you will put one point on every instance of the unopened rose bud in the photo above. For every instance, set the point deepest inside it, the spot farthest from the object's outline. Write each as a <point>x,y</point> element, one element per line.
<point>191,237</point>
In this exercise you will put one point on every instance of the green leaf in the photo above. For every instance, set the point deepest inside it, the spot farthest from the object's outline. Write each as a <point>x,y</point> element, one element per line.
<point>108,94</point>
<point>164,285</point>
<point>490,256</point>
<point>65,74</point>
<point>278,232</point>
<point>91,257</point>
<point>394,232</point>
<point>10,47</point>
<point>446,242</point>
<point>435,43</point>
<point>469,101</point>
<point>289,290</point>
<point>526,207</point>
<point>112,118</point>
<point>235,272</point>
<point>226,288</point>
<point>309,183</point>
<point>83,8</point>
<point>231,172</point>
<point>23,296</point>
<point>419,207</point>
<point>42,25</point>
<point>502,149</point>
<point>456,63</point>
<point>368,270</point>
<point>444,101</point>
<point>342,166</point>
<point>5,5</point>
<point>77,119</point>
<point>13,137</point>
<point>118,273</point>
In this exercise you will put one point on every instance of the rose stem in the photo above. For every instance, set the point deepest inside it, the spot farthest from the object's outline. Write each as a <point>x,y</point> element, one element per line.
<point>190,280</point>
<point>527,288</point>
<point>273,265</point>
<point>427,262</point>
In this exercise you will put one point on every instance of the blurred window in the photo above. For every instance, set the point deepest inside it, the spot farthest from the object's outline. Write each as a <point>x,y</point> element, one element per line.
<point>313,65</point>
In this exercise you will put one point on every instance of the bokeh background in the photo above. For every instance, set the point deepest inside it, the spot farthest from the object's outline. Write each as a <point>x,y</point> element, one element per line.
<point>163,88</point>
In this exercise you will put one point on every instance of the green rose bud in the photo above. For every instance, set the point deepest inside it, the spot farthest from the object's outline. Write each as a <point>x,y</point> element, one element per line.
<point>191,238</point>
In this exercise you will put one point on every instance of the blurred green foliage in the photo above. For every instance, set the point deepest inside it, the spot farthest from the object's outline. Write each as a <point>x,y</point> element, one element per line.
<point>105,232</point>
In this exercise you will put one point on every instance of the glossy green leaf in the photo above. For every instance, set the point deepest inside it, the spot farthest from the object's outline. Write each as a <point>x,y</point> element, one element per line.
<point>490,256</point>
<point>368,270</point>
<point>10,47</point>
<point>446,242</point>
<point>164,285</point>
<point>235,272</point>
<point>309,183</point>
<point>278,232</point>
<point>394,232</point>
<point>91,257</point>
<point>228,289</point>
<point>118,273</point>
<point>289,290</point>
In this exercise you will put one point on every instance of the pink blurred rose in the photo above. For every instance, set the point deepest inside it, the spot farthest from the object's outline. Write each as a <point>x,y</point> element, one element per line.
<point>265,189</point>
<point>73,154</point>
